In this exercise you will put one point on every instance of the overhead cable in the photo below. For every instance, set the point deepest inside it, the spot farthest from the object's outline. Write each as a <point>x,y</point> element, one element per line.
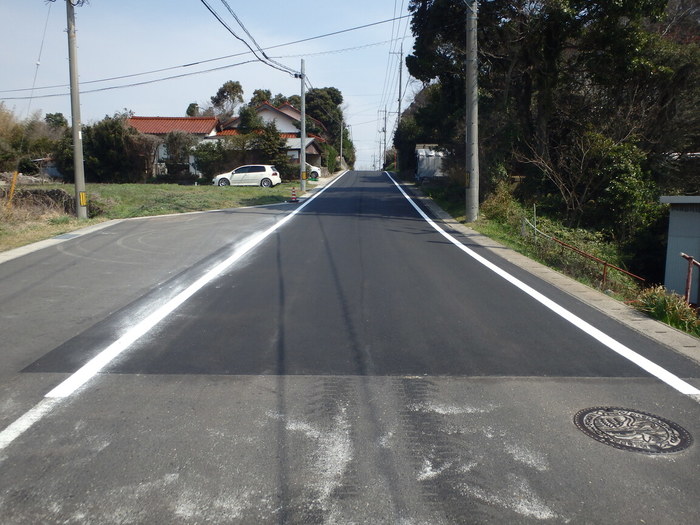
<point>223,23</point>
<point>205,61</point>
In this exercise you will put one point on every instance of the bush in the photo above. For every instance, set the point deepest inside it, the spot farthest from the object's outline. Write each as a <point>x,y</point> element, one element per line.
<point>669,308</point>
<point>502,207</point>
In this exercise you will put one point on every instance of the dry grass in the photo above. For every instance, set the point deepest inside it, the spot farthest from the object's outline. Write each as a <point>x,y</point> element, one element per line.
<point>22,225</point>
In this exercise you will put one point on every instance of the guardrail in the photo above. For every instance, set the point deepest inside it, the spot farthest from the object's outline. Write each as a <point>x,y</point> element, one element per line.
<point>606,264</point>
<point>689,278</point>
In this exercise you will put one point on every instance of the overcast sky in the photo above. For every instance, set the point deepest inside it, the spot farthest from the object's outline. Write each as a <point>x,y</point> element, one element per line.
<point>128,37</point>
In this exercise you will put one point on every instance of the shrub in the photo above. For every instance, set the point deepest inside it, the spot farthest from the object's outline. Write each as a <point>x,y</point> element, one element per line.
<point>502,207</point>
<point>669,308</point>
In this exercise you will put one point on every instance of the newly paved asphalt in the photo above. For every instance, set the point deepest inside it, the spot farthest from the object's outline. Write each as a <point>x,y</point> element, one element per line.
<point>353,367</point>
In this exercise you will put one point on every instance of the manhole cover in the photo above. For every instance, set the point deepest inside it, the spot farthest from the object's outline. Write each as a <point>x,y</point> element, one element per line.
<point>632,430</point>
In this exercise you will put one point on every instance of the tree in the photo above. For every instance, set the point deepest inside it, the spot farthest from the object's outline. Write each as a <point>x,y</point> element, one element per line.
<point>192,110</point>
<point>552,73</point>
<point>260,96</point>
<point>278,100</point>
<point>273,149</point>
<point>179,146</point>
<point>249,120</point>
<point>56,121</point>
<point>110,149</point>
<point>227,98</point>
<point>212,157</point>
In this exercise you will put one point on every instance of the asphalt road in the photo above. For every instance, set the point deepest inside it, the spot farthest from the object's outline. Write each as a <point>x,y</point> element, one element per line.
<point>353,366</point>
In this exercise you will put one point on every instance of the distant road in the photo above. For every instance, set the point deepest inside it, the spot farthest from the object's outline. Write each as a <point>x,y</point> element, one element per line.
<point>352,365</point>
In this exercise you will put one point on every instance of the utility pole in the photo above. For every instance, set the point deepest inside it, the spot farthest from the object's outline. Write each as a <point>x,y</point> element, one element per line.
<point>341,141</point>
<point>382,143</point>
<point>472,116</point>
<point>80,193</point>
<point>398,118</point>
<point>302,134</point>
<point>400,81</point>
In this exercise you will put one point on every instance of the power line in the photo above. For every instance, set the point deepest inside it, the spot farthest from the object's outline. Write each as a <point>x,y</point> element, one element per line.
<point>205,61</point>
<point>269,62</point>
<point>223,23</point>
<point>134,84</point>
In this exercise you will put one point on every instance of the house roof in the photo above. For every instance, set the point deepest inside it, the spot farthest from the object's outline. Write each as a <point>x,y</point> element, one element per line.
<point>310,143</point>
<point>680,199</point>
<point>285,109</point>
<point>164,125</point>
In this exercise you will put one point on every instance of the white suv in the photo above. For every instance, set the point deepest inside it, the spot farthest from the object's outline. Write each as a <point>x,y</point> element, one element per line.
<point>264,175</point>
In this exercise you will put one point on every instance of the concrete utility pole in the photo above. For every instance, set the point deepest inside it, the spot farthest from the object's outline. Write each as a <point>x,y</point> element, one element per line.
<point>382,144</point>
<point>472,117</point>
<point>302,134</point>
<point>398,118</point>
<point>80,193</point>
<point>341,141</point>
<point>400,79</point>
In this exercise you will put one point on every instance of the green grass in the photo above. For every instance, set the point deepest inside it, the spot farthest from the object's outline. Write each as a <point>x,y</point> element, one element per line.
<point>119,201</point>
<point>23,224</point>
<point>669,308</point>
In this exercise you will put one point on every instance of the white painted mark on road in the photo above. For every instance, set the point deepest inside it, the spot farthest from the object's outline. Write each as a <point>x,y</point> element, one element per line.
<point>19,426</point>
<point>106,356</point>
<point>664,375</point>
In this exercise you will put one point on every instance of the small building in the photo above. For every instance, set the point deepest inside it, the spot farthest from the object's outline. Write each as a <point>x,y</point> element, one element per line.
<point>683,237</point>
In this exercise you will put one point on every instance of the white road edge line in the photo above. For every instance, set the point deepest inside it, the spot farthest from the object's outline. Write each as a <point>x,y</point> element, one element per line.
<point>97,363</point>
<point>639,360</point>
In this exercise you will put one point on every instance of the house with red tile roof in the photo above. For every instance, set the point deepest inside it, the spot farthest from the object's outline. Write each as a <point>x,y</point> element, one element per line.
<point>286,118</point>
<point>200,127</point>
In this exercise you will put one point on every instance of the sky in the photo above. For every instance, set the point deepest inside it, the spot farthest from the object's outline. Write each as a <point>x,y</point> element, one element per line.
<point>130,37</point>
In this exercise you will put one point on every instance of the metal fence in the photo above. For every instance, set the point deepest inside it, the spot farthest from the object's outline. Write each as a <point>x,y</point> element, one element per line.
<point>689,279</point>
<point>606,266</point>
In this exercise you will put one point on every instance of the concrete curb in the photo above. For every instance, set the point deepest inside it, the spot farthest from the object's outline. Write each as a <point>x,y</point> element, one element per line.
<point>668,336</point>
<point>58,239</point>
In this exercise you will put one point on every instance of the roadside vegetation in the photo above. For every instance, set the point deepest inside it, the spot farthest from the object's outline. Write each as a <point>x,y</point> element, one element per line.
<point>39,213</point>
<point>503,219</point>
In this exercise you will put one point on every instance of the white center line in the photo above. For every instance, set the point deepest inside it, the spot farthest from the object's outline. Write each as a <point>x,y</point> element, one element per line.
<point>641,361</point>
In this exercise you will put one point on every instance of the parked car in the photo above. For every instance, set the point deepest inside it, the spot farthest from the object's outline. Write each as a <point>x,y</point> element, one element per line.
<point>264,175</point>
<point>313,172</point>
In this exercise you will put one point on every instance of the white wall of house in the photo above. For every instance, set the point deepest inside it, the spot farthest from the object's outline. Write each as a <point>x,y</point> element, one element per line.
<point>284,123</point>
<point>683,236</point>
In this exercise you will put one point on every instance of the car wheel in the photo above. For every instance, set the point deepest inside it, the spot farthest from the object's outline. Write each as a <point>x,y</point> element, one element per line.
<point>224,182</point>
<point>266,183</point>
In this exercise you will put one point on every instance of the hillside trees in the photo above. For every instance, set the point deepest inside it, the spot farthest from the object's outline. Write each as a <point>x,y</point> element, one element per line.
<point>575,96</point>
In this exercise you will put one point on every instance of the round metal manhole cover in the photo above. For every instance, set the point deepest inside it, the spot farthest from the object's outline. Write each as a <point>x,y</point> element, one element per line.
<point>632,430</point>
